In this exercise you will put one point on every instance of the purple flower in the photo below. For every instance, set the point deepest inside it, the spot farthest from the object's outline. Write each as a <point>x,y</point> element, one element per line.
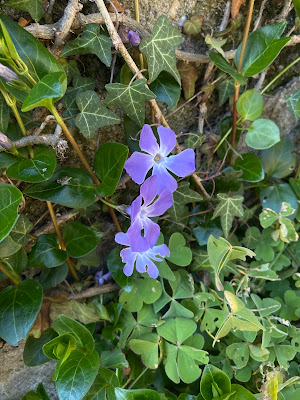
<point>140,215</point>
<point>138,165</point>
<point>8,74</point>
<point>101,279</point>
<point>134,38</point>
<point>142,260</point>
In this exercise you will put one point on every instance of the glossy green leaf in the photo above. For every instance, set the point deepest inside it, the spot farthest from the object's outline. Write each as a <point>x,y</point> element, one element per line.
<point>37,169</point>
<point>166,89</point>
<point>214,383</point>
<point>263,46</point>
<point>115,267</point>
<point>279,161</point>
<point>109,163</point>
<point>225,89</point>
<point>181,197</point>
<point>227,209</point>
<point>80,239</point>
<point>20,230</point>
<point>238,392</point>
<point>90,42</point>
<point>33,7</point>
<point>250,105</point>
<point>52,277</point>
<point>103,386</point>
<point>70,187</point>
<point>113,359</point>
<point>138,394</point>
<point>76,375</point>
<point>7,159</point>
<point>179,253</point>
<point>33,353</point>
<point>224,66</point>
<point>49,89</point>
<point>177,330</point>
<point>60,348</point>
<point>251,166</point>
<point>10,199</point>
<point>160,49</point>
<point>262,134</point>
<point>19,306</point>
<point>273,196</point>
<point>93,114</point>
<point>46,252</point>
<point>65,325</point>
<point>130,98</point>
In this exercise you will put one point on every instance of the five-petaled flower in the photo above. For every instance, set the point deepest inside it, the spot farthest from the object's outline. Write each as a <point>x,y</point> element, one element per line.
<point>138,165</point>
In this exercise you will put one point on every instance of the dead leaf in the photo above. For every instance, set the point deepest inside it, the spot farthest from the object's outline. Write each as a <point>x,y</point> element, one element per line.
<point>42,321</point>
<point>189,75</point>
<point>235,7</point>
<point>120,8</point>
<point>23,22</point>
<point>174,9</point>
<point>84,313</point>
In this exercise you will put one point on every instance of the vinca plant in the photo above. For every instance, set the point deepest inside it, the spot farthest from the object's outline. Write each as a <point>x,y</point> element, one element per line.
<point>195,294</point>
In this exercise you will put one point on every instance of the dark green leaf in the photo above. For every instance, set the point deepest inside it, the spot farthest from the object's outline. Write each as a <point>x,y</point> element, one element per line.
<point>51,277</point>
<point>14,263</point>
<point>8,247</point>
<point>160,48</point>
<point>224,66</point>
<point>90,42</point>
<point>109,163</point>
<point>19,231</point>
<point>19,306</point>
<point>166,89</point>
<point>10,199</point>
<point>7,159</point>
<point>48,90</point>
<point>130,98</point>
<point>115,266</point>
<point>227,209</point>
<point>273,197</point>
<point>263,46</point>
<point>181,197</point>
<point>80,239</point>
<point>33,353</point>
<point>138,394</point>
<point>225,89</point>
<point>37,169</point>
<point>262,134</point>
<point>46,252</point>
<point>70,187</point>
<point>250,105</point>
<point>251,166</point>
<point>76,375</point>
<point>238,392</point>
<point>33,7</point>
<point>93,114</point>
<point>4,114</point>
<point>214,382</point>
<point>113,359</point>
<point>279,161</point>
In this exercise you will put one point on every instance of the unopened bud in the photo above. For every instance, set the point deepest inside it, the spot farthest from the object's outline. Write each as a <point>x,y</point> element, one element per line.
<point>5,142</point>
<point>134,38</point>
<point>7,74</point>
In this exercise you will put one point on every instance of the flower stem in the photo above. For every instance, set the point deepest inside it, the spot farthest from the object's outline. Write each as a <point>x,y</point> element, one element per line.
<point>22,127</point>
<point>136,379</point>
<point>15,279</point>
<point>61,240</point>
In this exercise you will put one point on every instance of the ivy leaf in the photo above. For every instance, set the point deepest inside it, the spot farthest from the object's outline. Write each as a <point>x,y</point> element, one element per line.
<point>33,7</point>
<point>216,44</point>
<point>90,42</point>
<point>166,89</point>
<point>181,197</point>
<point>10,199</point>
<point>93,114</point>
<point>130,98</point>
<point>227,209</point>
<point>22,227</point>
<point>225,89</point>
<point>293,103</point>
<point>160,48</point>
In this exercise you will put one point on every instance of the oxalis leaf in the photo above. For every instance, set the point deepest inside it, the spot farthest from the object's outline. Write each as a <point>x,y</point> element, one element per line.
<point>33,7</point>
<point>227,209</point>
<point>19,306</point>
<point>90,42</point>
<point>93,114</point>
<point>160,49</point>
<point>10,199</point>
<point>130,98</point>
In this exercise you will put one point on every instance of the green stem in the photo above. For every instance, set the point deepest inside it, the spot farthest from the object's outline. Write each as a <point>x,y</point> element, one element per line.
<point>226,135</point>
<point>136,379</point>
<point>15,279</point>
<point>22,126</point>
<point>279,75</point>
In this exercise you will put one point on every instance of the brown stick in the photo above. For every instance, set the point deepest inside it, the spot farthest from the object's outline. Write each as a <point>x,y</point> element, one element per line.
<point>110,287</point>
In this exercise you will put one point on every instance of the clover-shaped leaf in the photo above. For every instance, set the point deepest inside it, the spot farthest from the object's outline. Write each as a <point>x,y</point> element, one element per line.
<point>179,253</point>
<point>143,291</point>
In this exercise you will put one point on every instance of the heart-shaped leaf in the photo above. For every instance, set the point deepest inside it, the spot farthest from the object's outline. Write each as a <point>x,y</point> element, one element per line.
<point>251,166</point>
<point>109,162</point>
<point>10,199</point>
<point>177,330</point>
<point>143,291</point>
<point>179,253</point>
<point>262,134</point>
<point>70,187</point>
<point>80,239</point>
<point>19,306</point>
<point>37,169</point>
<point>46,252</point>
<point>250,105</point>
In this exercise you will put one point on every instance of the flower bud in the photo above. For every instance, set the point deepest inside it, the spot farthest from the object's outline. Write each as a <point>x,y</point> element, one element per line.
<point>7,74</point>
<point>5,142</point>
<point>134,38</point>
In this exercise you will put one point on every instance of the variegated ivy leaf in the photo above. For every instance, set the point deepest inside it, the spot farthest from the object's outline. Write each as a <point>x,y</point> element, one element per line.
<point>130,98</point>
<point>90,42</point>
<point>227,209</point>
<point>93,114</point>
<point>181,197</point>
<point>160,49</point>
<point>33,7</point>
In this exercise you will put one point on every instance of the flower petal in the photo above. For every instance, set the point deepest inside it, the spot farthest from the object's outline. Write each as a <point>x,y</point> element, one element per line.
<point>128,257</point>
<point>149,190</point>
<point>162,250</point>
<point>138,243</point>
<point>140,264</point>
<point>138,165</point>
<point>152,231</point>
<point>148,142</point>
<point>135,207</point>
<point>164,179</point>
<point>152,269</point>
<point>122,238</point>
<point>160,206</point>
<point>181,164</point>
<point>167,140</point>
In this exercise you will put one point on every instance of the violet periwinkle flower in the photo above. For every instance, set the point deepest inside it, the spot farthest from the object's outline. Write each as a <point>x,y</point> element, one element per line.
<point>101,279</point>
<point>5,142</point>
<point>134,38</point>
<point>141,213</point>
<point>138,165</point>
<point>142,260</point>
<point>8,74</point>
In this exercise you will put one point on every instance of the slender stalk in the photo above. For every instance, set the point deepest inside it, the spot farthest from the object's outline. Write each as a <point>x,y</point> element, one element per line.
<point>22,127</point>
<point>137,17</point>
<point>61,240</point>
<point>15,279</point>
<point>279,75</point>
<point>234,117</point>
<point>136,379</point>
